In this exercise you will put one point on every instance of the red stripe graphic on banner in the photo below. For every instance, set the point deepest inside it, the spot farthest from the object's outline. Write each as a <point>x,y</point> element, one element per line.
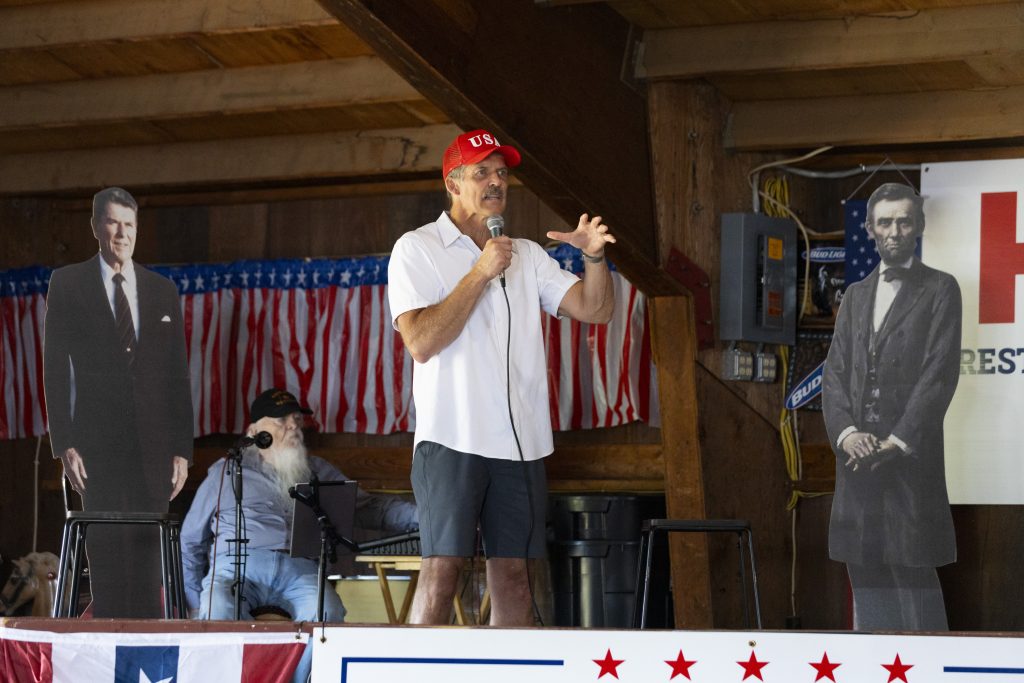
<point>364,344</point>
<point>1001,257</point>
<point>204,363</point>
<point>327,298</point>
<point>248,373</point>
<point>622,395</point>
<point>266,663</point>
<point>277,328</point>
<point>381,403</point>
<point>40,309</point>
<point>343,363</point>
<point>577,382</point>
<point>26,405</point>
<point>216,397</point>
<point>231,379</point>
<point>398,360</point>
<point>26,661</point>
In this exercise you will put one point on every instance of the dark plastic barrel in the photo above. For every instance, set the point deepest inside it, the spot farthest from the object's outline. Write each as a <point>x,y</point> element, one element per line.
<point>593,542</point>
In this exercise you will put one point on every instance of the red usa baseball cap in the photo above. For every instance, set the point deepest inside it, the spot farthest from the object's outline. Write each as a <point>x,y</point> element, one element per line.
<point>475,145</point>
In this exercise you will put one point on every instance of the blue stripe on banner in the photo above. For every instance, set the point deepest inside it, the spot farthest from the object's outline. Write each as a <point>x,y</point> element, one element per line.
<point>202,278</point>
<point>24,281</point>
<point>981,670</point>
<point>345,661</point>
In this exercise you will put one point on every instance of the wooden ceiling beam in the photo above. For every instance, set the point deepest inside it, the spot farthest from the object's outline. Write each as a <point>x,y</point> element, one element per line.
<point>73,23</point>
<point>861,41</point>
<point>329,83</point>
<point>546,82</point>
<point>268,159</point>
<point>917,118</point>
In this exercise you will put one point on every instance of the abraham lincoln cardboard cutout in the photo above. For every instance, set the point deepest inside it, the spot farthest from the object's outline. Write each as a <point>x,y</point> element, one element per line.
<point>889,377</point>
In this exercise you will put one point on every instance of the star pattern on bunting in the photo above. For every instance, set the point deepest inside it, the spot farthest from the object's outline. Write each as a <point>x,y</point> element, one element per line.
<point>143,678</point>
<point>752,667</point>
<point>897,670</point>
<point>825,668</point>
<point>680,666</point>
<point>609,665</point>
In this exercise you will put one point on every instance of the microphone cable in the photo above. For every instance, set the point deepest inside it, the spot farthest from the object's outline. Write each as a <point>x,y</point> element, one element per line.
<point>519,447</point>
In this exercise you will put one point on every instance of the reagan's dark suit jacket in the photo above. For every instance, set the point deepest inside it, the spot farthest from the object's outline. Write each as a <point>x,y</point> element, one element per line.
<point>126,423</point>
<point>899,513</point>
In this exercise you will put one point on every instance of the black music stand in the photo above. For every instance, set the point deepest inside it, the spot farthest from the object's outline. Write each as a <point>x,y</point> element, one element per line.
<point>330,537</point>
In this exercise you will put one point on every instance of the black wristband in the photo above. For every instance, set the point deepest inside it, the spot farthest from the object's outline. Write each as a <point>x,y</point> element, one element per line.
<point>592,259</point>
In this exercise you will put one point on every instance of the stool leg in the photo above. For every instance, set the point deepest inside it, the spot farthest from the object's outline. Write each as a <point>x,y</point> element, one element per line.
<point>645,593</point>
<point>743,580</point>
<point>165,568</point>
<point>638,585</point>
<point>753,578</point>
<point>62,573</point>
<point>178,572</point>
<point>78,533</point>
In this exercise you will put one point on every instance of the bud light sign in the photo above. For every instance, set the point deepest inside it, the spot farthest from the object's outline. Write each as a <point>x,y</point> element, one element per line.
<point>827,254</point>
<point>807,390</point>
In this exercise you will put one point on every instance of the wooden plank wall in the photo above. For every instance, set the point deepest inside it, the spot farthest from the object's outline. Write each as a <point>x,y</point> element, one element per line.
<point>55,232</point>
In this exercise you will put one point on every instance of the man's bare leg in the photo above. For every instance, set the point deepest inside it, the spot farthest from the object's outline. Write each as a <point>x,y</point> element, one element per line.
<point>439,577</point>
<point>511,604</point>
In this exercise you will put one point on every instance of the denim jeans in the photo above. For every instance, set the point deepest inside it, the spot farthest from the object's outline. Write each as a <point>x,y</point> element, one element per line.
<point>275,579</point>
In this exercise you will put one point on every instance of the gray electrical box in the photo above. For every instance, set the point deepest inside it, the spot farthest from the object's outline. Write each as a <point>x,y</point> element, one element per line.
<point>758,282</point>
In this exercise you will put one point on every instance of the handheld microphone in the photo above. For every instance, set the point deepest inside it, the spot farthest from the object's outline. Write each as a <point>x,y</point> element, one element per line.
<point>496,225</point>
<point>261,440</point>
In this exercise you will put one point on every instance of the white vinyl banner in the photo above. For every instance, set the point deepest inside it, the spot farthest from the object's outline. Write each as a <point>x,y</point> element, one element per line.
<point>352,654</point>
<point>974,230</point>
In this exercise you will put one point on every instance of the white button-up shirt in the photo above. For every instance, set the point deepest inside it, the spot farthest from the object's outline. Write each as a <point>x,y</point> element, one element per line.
<point>460,393</point>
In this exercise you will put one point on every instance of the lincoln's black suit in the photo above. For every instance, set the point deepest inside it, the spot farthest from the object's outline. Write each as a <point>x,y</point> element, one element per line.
<point>126,420</point>
<point>896,514</point>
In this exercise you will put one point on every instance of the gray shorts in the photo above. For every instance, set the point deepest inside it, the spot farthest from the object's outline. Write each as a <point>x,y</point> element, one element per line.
<point>455,490</point>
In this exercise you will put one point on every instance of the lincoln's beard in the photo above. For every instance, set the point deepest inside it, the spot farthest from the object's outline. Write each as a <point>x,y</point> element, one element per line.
<point>289,464</point>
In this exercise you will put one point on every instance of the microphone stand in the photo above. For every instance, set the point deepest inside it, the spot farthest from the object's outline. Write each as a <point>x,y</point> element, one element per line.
<point>329,538</point>
<point>240,549</point>
<point>260,440</point>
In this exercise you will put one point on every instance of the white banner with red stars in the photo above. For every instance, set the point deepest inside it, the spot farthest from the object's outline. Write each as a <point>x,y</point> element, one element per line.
<point>359,654</point>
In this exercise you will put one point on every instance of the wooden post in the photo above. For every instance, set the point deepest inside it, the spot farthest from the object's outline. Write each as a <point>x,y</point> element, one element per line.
<point>673,342</point>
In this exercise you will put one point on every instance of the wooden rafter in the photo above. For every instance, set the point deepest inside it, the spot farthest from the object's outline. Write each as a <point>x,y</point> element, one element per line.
<point>862,41</point>
<point>216,92</point>
<point>880,120</point>
<point>330,155</point>
<point>73,23</point>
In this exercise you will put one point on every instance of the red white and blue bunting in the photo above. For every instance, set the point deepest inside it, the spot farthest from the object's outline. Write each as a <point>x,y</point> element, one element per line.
<point>322,328</point>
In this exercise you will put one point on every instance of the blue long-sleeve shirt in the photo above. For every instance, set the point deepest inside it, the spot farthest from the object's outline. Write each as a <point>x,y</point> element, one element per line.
<point>268,518</point>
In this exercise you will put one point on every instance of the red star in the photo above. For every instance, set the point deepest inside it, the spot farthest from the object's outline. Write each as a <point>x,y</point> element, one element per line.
<point>680,666</point>
<point>608,665</point>
<point>897,670</point>
<point>752,667</point>
<point>825,668</point>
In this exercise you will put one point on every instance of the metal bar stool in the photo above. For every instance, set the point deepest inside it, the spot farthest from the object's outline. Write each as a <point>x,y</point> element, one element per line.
<point>643,566</point>
<point>72,556</point>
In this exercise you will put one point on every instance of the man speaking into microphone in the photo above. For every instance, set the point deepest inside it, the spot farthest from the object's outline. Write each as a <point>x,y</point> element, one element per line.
<point>467,300</point>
